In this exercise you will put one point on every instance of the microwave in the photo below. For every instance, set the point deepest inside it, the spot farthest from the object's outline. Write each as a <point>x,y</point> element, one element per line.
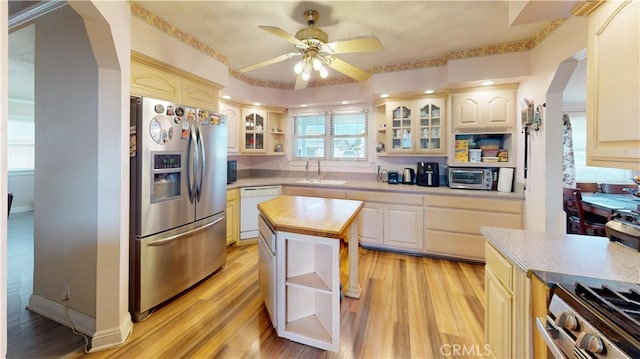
<point>471,178</point>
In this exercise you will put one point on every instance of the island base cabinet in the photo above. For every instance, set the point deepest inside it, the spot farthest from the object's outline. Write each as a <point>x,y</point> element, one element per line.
<point>308,300</point>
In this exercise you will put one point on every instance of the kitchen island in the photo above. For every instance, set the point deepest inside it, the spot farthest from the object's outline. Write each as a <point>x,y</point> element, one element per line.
<point>523,265</point>
<point>307,232</point>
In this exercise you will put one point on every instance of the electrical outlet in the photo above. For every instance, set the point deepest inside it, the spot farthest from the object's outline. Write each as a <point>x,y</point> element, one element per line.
<point>66,294</point>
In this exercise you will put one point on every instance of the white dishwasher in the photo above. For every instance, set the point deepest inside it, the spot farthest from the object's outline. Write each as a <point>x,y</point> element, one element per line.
<point>249,199</point>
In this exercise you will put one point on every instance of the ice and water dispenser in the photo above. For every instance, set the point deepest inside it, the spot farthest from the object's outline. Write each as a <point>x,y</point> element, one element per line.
<point>167,168</point>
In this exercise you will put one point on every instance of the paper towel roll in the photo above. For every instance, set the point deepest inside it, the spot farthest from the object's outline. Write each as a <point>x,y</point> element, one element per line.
<point>505,179</point>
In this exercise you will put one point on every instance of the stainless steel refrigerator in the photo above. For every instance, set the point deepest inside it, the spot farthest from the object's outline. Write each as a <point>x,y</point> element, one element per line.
<point>178,200</point>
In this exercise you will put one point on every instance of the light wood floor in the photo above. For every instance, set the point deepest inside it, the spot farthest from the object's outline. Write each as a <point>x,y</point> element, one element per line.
<point>411,307</point>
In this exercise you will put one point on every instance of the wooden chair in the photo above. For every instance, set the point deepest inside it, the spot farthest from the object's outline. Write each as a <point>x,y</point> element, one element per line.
<point>585,187</point>
<point>615,188</point>
<point>579,222</point>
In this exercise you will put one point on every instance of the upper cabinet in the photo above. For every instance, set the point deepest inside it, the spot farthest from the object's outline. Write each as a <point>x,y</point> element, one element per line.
<point>484,109</point>
<point>263,131</point>
<point>232,111</point>
<point>414,126</point>
<point>613,85</point>
<point>152,78</point>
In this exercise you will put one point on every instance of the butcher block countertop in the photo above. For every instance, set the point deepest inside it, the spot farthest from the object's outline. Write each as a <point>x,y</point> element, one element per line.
<point>314,216</point>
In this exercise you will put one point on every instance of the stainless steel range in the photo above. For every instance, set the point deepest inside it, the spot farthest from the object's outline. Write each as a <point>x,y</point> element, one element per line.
<point>624,227</point>
<point>588,320</point>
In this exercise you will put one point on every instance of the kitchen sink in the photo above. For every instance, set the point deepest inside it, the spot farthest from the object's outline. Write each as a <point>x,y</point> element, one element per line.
<point>322,181</point>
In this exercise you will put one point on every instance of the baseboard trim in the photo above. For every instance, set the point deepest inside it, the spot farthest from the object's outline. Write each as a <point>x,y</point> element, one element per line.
<point>55,311</point>
<point>114,337</point>
<point>99,340</point>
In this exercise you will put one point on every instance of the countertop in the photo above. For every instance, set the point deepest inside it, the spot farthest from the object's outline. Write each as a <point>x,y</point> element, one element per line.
<point>323,217</point>
<point>373,185</point>
<point>566,254</point>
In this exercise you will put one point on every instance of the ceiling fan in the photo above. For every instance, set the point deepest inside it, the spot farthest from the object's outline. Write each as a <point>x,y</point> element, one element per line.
<point>317,52</point>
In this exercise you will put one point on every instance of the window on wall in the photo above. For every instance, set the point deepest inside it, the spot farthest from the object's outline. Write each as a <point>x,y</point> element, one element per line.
<point>20,145</point>
<point>586,173</point>
<point>331,136</point>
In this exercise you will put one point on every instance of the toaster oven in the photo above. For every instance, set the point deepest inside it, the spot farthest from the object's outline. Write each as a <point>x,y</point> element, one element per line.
<point>471,178</point>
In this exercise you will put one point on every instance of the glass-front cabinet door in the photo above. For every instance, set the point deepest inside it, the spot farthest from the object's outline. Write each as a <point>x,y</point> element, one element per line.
<point>254,132</point>
<point>400,131</point>
<point>430,126</point>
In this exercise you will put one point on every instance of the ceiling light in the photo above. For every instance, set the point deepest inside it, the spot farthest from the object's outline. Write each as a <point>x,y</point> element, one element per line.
<point>310,61</point>
<point>384,95</point>
<point>306,74</point>
<point>226,97</point>
<point>257,104</point>
<point>298,67</point>
<point>303,105</point>
<point>429,92</point>
<point>317,64</point>
<point>345,102</point>
<point>324,72</point>
<point>487,83</point>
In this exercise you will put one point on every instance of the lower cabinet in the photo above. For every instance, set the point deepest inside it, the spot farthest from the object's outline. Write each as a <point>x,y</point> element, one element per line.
<point>390,220</point>
<point>508,318</point>
<point>233,216</point>
<point>452,223</point>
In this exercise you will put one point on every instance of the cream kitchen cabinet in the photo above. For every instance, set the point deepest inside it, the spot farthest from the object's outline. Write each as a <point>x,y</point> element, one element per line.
<point>613,85</point>
<point>263,131</point>
<point>413,126</point>
<point>452,223</point>
<point>152,78</point>
<point>233,216</point>
<point>483,109</point>
<point>232,111</point>
<point>508,319</point>
<point>390,220</point>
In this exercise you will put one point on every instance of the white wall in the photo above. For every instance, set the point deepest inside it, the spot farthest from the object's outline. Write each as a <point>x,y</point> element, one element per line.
<point>544,180</point>
<point>81,182</point>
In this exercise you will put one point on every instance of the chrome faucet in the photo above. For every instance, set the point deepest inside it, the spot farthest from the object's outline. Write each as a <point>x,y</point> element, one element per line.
<point>306,169</point>
<point>319,176</point>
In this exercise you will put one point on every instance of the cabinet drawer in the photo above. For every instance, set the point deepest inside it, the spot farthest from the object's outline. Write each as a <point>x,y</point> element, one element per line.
<point>387,197</point>
<point>479,204</point>
<point>315,192</point>
<point>502,268</point>
<point>467,221</point>
<point>455,245</point>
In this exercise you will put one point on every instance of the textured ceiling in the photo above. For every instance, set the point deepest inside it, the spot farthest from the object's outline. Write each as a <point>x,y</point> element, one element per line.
<point>410,31</point>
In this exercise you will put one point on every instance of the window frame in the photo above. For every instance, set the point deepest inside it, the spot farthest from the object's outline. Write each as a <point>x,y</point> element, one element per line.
<point>329,136</point>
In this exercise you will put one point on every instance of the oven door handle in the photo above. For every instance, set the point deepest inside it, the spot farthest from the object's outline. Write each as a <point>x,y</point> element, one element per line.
<point>546,331</point>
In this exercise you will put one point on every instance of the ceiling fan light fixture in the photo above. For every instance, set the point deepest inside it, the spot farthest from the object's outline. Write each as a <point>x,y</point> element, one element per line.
<point>317,63</point>
<point>298,67</point>
<point>306,74</point>
<point>324,72</point>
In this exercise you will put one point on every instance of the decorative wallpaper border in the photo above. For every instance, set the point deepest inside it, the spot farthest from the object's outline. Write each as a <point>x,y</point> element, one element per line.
<point>498,49</point>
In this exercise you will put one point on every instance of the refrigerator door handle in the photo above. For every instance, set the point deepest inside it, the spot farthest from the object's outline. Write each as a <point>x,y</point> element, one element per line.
<point>200,176</point>
<point>191,170</point>
<point>162,241</point>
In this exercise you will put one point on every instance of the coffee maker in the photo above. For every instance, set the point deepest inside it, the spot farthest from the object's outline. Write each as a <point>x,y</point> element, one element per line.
<point>428,174</point>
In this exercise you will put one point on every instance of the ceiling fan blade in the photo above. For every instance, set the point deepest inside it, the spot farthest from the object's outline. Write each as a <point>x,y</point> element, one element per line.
<point>364,44</point>
<point>346,68</point>
<point>300,83</point>
<point>283,35</point>
<point>269,62</point>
